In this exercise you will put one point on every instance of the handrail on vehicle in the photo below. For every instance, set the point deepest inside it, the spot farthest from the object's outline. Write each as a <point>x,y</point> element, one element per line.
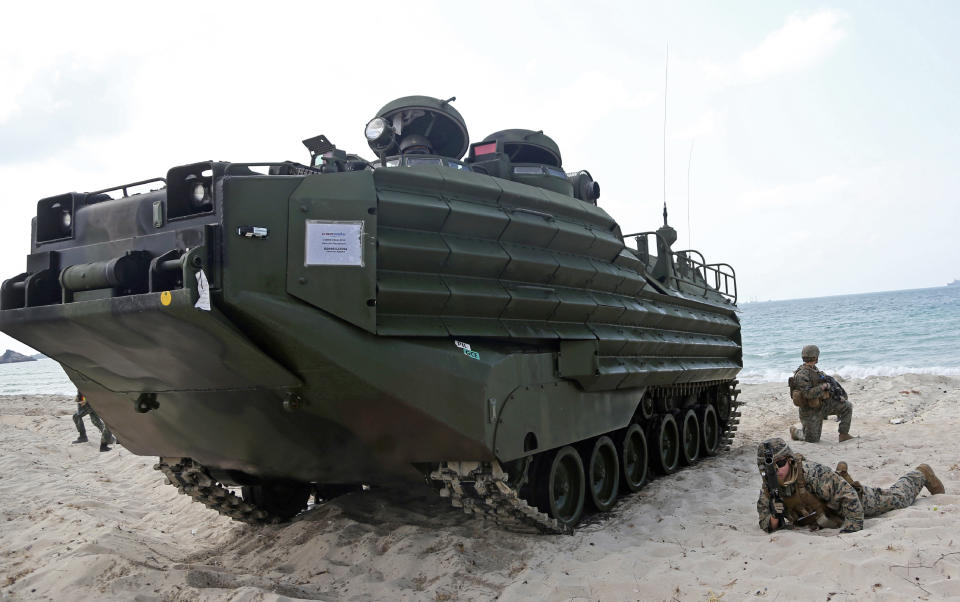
<point>643,250</point>
<point>234,169</point>
<point>732,277</point>
<point>689,269</point>
<point>698,272</point>
<point>124,187</point>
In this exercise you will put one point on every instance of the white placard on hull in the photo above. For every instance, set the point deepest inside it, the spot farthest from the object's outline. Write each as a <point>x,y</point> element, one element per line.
<point>334,243</point>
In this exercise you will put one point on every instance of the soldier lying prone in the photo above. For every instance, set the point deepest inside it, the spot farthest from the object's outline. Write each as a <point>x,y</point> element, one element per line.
<point>810,494</point>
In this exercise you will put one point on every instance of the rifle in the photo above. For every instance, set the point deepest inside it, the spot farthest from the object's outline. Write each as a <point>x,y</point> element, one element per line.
<point>773,487</point>
<point>836,391</point>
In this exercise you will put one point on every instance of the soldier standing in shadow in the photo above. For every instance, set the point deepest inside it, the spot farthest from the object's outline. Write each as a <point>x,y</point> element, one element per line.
<point>84,409</point>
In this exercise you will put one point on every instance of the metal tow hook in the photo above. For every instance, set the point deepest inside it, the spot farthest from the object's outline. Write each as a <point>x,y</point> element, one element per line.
<point>146,402</point>
<point>292,402</point>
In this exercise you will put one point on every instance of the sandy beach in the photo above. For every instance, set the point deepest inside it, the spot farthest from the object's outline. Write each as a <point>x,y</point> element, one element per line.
<point>81,525</point>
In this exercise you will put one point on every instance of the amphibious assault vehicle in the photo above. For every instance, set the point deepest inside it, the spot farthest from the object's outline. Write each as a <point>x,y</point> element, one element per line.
<point>456,312</point>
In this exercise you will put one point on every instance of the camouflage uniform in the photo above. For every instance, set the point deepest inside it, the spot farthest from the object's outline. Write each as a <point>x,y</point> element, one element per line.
<point>842,501</point>
<point>818,404</point>
<point>84,409</point>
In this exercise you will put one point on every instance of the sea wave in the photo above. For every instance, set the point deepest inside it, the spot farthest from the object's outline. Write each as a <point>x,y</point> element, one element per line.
<point>872,334</point>
<point>767,375</point>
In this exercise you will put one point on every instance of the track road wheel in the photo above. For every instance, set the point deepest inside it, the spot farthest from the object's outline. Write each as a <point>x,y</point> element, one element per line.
<point>603,474</point>
<point>561,486</point>
<point>282,499</point>
<point>646,407</point>
<point>666,445</point>
<point>709,431</point>
<point>633,459</point>
<point>689,438</point>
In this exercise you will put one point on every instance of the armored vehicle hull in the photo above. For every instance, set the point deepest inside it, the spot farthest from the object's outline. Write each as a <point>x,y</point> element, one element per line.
<point>308,330</point>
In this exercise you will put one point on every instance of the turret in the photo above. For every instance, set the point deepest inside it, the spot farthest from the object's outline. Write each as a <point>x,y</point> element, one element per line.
<point>418,125</point>
<point>417,131</point>
<point>533,158</point>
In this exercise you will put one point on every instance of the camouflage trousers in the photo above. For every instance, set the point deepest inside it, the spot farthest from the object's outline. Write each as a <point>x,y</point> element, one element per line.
<point>812,418</point>
<point>84,409</point>
<point>899,495</point>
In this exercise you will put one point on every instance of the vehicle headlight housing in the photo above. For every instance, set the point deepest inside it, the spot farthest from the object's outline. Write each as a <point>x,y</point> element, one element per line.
<point>380,135</point>
<point>199,194</point>
<point>375,129</point>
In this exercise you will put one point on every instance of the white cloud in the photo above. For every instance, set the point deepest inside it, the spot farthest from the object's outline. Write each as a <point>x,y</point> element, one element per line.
<point>583,98</point>
<point>818,192</point>
<point>62,103</point>
<point>709,122</point>
<point>800,43</point>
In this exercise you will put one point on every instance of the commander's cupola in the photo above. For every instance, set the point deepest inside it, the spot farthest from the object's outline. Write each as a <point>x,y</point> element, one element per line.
<point>533,158</point>
<point>425,129</point>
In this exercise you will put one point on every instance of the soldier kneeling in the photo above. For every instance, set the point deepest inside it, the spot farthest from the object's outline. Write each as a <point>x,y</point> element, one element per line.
<point>817,395</point>
<point>797,492</point>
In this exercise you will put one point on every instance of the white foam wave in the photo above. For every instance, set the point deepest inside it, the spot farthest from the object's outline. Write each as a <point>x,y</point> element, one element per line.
<point>771,375</point>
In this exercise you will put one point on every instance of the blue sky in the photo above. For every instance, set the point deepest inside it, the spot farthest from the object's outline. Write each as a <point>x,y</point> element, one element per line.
<point>824,136</point>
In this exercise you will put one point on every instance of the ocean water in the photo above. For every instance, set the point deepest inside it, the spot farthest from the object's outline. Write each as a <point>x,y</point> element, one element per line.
<point>871,334</point>
<point>882,334</point>
<point>42,376</point>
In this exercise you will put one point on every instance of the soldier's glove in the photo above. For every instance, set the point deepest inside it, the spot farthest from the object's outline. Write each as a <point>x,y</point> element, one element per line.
<point>778,508</point>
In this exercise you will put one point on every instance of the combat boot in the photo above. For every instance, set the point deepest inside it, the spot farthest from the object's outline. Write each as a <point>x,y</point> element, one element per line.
<point>796,434</point>
<point>81,440</point>
<point>104,447</point>
<point>930,480</point>
<point>845,437</point>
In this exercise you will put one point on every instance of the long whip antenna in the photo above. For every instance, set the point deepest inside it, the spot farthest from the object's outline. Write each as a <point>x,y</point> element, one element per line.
<point>689,230</point>
<point>666,73</point>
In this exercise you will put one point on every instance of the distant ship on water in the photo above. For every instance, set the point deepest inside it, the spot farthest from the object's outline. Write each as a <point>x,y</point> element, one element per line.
<point>956,282</point>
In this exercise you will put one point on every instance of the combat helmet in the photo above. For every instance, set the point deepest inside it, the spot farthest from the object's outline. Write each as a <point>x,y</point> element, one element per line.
<point>809,352</point>
<point>774,449</point>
